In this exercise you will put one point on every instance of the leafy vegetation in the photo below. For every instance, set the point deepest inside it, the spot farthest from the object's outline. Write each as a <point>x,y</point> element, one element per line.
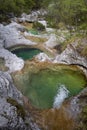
<point>68,12</point>
<point>71,13</point>
<point>9,8</point>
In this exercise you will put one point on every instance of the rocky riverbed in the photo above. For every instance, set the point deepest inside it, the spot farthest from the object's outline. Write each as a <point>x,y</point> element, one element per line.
<point>16,111</point>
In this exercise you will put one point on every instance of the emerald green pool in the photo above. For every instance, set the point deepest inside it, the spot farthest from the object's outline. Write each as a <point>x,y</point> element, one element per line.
<point>26,53</point>
<point>42,87</point>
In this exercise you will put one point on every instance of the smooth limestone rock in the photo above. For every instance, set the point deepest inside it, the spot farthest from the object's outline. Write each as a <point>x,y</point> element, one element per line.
<point>10,35</point>
<point>11,60</point>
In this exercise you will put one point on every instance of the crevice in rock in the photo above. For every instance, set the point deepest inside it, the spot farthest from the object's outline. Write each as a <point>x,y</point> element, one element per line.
<point>79,65</point>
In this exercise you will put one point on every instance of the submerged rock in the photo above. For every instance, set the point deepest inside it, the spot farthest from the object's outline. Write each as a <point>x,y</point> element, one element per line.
<point>62,94</point>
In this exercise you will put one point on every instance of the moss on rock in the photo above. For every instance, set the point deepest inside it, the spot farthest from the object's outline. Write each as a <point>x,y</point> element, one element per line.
<point>20,110</point>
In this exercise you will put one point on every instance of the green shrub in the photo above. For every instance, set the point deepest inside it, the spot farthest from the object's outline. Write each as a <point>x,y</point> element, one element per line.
<point>83,26</point>
<point>62,26</point>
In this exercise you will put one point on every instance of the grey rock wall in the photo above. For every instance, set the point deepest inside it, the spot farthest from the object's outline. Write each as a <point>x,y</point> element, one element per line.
<point>13,115</point>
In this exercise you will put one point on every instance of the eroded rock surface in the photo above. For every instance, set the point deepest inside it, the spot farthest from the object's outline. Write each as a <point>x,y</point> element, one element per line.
<point>12,113</point>
<point>71,56</point>
<point>7,88</point>
<point>8,113</point>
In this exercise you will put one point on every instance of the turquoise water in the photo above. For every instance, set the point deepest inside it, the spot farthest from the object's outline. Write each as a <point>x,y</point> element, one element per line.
<point>26,53</point>
<point>42,87</point>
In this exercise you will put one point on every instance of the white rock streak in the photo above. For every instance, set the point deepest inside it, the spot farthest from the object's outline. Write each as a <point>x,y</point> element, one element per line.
<point>62,93</point>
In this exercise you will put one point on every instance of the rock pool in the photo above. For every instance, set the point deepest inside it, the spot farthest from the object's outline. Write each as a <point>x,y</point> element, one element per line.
<point>42,86</point>
<point>26,53</point>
